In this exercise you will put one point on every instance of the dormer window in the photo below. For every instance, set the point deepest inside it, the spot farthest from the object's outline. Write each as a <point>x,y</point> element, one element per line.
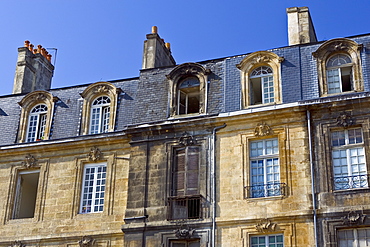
<point>339,74</point>
<point>188,89</point>
<point>188,96</point>
<point>37,123</point>
<point>100,114</point>
<point>339,67</point>
<point>99,108</point>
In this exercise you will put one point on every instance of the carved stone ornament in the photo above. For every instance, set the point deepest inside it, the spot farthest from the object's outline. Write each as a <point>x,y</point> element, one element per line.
<point>17,244</point>
<point>265,225</point>
<point>262,129</point>
<point>344,120</point>
<point>353,218</point>
<point>39,97</point>
<point>339,47</point>
<point>102,89</point>
<point>30,161</point>
<point>86,241</point>
<point>187,140</point>
<point>94,154</point>
<point>261,59</point>
<point>184,232</point>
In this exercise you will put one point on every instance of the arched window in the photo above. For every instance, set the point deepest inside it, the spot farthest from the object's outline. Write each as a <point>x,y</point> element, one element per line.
<point>262,86</point>
<point>339,73</point>
<point>260,78</point>
<point>100,114</point>
<point>37,123</point>
<point>188,96</point>
<point>339,67</point>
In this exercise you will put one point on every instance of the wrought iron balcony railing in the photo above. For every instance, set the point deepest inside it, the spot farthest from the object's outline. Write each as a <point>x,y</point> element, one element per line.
<point>185,207</point>
<point>351,182</point>
<point>265,190</point>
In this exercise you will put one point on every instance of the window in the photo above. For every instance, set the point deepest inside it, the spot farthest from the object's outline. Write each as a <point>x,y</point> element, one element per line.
<point>339,67</point>
<point>36,116</point>
<point>25,195</point>
<point>185,201</point>
<point>262,86</point>
<point>188,85</point>
<point>260,78</point>
<point>99,108</point>
<point>348,156</point>
<point>265,169</point>
<point>267,241</point>
<point>37,123</point>
<point>93,188</point>
<point>354,237</point>
<point>100,114</point>
<point>339,74</point>
<point>189,243</point>
<point>188,96</point>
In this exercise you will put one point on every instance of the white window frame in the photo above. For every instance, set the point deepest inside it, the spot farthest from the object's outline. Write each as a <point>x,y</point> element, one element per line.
<point>334,73</point>
<point>37,123</point>
<point>265,77</point>
<point>266,241</point>
<point>357,238</point>
<point>264,163</point>
<point>100,115</point>
<point>96,187</point>
<point>347,174</point>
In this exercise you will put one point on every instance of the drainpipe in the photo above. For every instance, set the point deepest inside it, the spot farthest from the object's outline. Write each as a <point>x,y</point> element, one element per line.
<point>213,182</point>
<point>314,206</point>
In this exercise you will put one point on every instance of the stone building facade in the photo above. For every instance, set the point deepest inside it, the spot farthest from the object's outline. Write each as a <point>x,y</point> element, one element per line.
<point>268,148</point>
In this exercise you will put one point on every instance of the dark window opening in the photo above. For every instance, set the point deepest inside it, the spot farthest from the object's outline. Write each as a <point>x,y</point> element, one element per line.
<point>188,96</point>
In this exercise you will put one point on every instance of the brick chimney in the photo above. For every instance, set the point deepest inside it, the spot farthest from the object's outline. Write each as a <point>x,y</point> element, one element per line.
<point>156,53</point>
<point>300,26</point>
<point>34,69</point>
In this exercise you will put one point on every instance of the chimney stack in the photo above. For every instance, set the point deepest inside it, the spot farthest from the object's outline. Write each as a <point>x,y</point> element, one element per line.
<point>156,53</point>
<point>300,26</point>
<point>34,69</point>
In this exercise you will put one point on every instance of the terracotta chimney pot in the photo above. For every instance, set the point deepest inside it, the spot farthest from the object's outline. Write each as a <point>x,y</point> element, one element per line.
<point>154,29</point>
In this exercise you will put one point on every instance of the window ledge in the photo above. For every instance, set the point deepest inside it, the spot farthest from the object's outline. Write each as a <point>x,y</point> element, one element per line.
<point>192,115</point>
<point>250,199</point>
<point>352,191</point>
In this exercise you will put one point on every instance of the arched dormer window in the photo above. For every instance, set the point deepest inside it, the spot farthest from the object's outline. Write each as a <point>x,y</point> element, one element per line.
<point>260,78</point>
<point>36,116</point>
<point>338,67</point>
<point>99,108</point>
<point>188,87</point>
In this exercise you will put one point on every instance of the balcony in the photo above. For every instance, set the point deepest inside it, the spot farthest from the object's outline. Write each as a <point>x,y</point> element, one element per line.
<point>185,207</point>
<point>265,190</point>
<point>351,182</point>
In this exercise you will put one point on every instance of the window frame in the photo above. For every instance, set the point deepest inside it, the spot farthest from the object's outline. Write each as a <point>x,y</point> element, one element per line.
<point>94,186</point>
<point>28,103</point>
<point>267,239</point>
<point>89,95</point>
<point>99,112</point>
<point>332,48</point>
<point>40,125</point>
<point>355,235</point>
<point>177,76</point>
<point>252,62</point>
<point>347,147</point>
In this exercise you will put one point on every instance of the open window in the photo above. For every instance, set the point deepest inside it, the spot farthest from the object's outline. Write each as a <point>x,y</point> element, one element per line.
<point>26,194</point>
<point>339,67</point>
<point>188,89</point>
<point>99,108</point>
<point>260,78</point>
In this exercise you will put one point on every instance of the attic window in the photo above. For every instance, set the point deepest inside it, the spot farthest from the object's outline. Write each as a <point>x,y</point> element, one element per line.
<point>188,96</point>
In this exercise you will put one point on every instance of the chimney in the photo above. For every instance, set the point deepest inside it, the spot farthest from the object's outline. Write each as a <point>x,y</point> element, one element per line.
<point>300,26</point>
<point>156,53</point>
<point>34,69</point>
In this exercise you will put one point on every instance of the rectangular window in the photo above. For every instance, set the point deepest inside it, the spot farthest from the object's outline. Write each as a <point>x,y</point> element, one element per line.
<point>267,241</point>
<point>194,243</point>
<point>26,194</point>
<point>348,157</point>
<point>265,168</point>
<point>354,237</point>
<point>93,188</point>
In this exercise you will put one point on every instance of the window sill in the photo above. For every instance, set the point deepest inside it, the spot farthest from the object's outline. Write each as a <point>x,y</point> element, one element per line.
<point>250,199</point>
<point>192,115</point>
<point>352,191</point>
<point>262,105</point>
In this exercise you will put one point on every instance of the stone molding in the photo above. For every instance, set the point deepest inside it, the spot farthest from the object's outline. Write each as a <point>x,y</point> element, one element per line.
<point>94,154</point>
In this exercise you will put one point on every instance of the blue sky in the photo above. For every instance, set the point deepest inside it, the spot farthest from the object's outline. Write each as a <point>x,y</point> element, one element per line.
<point>103,40</point>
